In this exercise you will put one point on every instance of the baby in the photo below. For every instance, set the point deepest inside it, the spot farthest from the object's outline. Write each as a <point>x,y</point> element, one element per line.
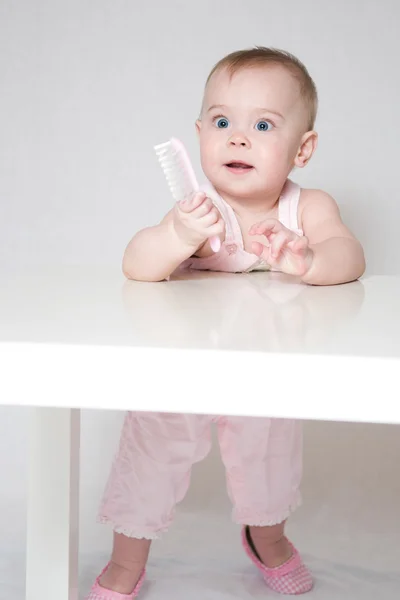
<point>256,125</point>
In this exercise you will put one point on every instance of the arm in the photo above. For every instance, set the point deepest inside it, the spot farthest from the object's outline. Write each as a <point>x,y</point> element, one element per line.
<point>155,252</point>
<point>327,253</point>
<point>338,256</point>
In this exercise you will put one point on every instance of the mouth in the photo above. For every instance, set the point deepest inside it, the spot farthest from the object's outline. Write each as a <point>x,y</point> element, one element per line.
<point>238,166</point>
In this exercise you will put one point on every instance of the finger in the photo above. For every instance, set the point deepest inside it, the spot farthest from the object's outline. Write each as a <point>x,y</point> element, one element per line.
<point>217,229</point>
<point>266,227</point>
<point>258,249</point>
<point>299,245</point>
<point>204,209</point>
<point>280,240</point>
<point>262,251</point>
<point>192,202</point>
<point>210,218</point>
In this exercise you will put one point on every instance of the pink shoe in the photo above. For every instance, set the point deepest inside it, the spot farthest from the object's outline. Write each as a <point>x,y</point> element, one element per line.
<point>100,593</point>
<point>290,578</point>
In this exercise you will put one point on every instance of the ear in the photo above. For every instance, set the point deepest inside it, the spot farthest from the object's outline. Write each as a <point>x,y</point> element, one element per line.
<point>308,145</point>
<point>198,126</point>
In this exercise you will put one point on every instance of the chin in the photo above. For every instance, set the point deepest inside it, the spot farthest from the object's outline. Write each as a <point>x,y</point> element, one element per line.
<point>241,189</point>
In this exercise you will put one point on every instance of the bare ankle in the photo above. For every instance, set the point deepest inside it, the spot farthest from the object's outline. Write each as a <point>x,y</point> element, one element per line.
<point>129,567</point>
<point>128,552</point>
<point>270,534</point>
<point>121,579</point>
<point>128,560</point>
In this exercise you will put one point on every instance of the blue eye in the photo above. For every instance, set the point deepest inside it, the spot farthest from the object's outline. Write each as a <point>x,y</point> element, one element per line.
<point>264,126</point>
<point>222,123</point>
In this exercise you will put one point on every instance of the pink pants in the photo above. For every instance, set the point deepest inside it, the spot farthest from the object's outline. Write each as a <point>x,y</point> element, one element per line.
<point>151,471</point>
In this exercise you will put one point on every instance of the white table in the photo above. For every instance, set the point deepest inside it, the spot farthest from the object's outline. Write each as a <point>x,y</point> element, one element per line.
<point>259,344</point>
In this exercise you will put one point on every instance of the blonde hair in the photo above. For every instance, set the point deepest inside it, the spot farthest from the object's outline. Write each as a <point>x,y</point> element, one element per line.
<point>261,56</point>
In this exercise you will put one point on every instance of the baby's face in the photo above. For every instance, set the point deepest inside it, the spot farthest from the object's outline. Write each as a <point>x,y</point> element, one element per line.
<point>257,117</point>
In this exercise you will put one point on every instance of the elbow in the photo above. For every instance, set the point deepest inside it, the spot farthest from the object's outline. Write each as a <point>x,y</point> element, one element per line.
<point>126,269</point>
<point>362,270</point>
<point>130,272</point>
<point>127,274</point>
<point>357,270</point>
<point>135,275</point>
<point>131,269</point>
<point>361,264</point>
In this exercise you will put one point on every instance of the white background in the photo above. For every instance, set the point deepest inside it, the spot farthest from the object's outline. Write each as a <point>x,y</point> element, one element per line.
<point>87,89</point>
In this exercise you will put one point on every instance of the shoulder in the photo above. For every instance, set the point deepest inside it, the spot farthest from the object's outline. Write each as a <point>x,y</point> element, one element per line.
<point>315,197</point>
<point>317,205</point>
<point>319,216</point>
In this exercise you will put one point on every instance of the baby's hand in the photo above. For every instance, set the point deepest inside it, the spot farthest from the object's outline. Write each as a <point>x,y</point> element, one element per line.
<point>285,250</point>
<point>197,219</point>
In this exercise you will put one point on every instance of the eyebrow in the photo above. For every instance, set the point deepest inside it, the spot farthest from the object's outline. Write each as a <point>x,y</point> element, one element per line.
<point>257,110</point>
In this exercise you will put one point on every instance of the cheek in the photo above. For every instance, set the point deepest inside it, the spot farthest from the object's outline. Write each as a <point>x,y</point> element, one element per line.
<point>208,150</point>
<point>276,151</point>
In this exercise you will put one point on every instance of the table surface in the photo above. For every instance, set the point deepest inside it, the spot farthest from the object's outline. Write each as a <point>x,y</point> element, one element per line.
<point>249,324</point>
<point>256,344</point>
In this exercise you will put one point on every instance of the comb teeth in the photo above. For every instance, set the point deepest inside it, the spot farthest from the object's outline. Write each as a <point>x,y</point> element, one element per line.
<point>179,174</point>
<point>172,162</point>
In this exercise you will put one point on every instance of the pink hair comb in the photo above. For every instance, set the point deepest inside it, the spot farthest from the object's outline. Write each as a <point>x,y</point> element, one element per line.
<point>180,175</point>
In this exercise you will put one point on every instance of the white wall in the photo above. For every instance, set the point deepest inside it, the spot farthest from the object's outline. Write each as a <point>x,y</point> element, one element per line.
<point>88,87</point>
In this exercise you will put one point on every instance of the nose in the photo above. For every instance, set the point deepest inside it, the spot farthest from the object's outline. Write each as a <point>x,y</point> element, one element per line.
<point>238,139</point>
